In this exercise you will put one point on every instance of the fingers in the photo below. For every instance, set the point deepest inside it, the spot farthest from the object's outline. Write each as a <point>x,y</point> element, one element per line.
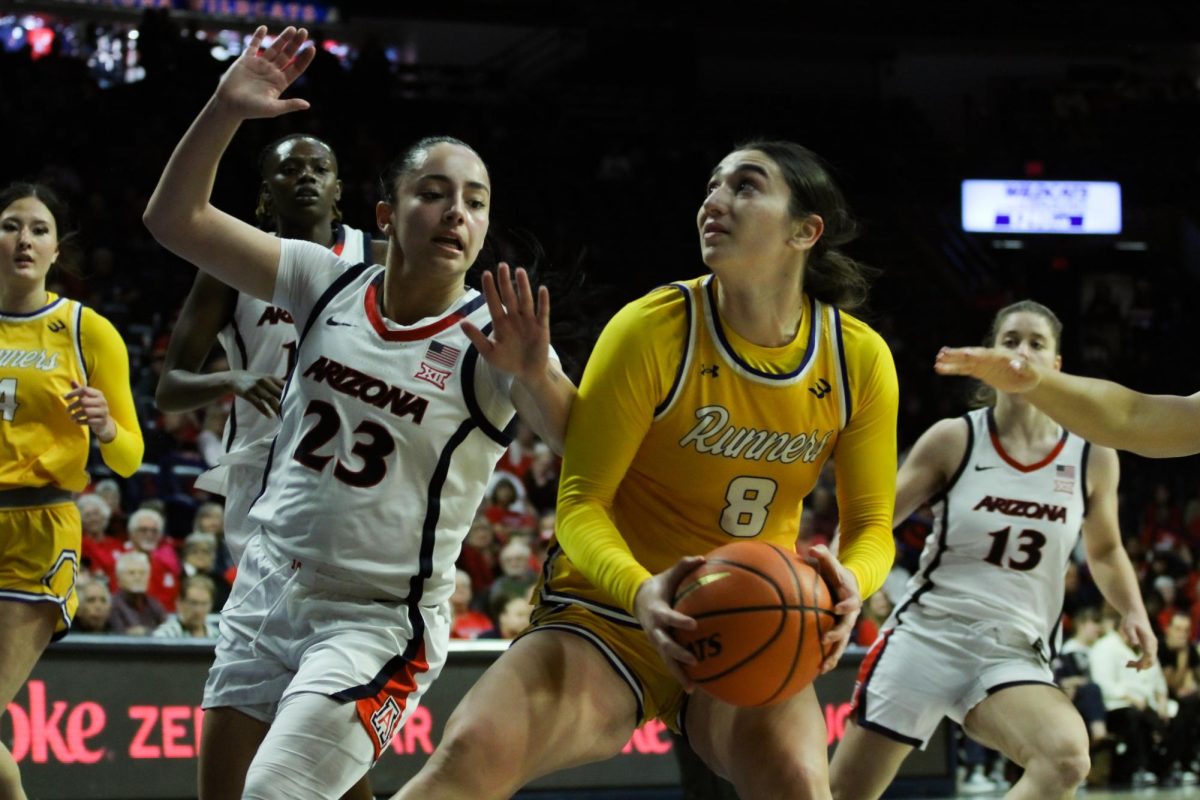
<point>256,40</point>
<point>524,293</point>
<point>481,342</point>
<point>492,295</point>
<point>543,307</point>
<point>298,64</point>
<point>507,295</point>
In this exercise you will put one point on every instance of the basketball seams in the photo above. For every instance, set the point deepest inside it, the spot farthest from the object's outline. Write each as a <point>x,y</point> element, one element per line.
<point>787,679</point>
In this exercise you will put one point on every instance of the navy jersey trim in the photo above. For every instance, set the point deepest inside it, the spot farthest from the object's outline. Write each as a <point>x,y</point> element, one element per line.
<point>944,492</point>
<point>687,343</point>
<point>241,348</point>
<point>31,314</point>
<point>470,361</point>
<point>810,348</point>
<point>366,247</point>
<point>79,341</point>
<point>999,687</point>
<point>334,289</point>
<point>841,352</point>
<point>1087,450</point>
<point>611,613</point>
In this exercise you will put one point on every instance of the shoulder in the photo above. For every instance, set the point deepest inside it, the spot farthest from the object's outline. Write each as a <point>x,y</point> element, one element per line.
<point>867,354</point>
<point>1103,466</point>
<point>948,432</point>
<point>858,335</point>
<point>93,325</point>
<point>658,317</point>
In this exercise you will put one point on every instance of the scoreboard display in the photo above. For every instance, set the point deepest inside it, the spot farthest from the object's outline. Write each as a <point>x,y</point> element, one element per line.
<point>1021,207</point>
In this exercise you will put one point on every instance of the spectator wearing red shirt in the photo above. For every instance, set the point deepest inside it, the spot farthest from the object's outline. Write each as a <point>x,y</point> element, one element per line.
<point>506,510</point>
<point>478,555</point>
<point>99,550</point>
<point>468,622</point>
<point>146,534</point>
<point>875,612</point>
<point>519,456</point>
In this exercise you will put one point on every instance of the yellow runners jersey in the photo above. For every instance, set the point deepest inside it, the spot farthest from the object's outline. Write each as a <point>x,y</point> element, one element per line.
<point>40,354</point>
<point>685,437</point>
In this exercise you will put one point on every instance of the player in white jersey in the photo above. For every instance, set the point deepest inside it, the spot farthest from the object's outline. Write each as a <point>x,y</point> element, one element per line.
<point>974,635</point>
<point>297,200</point>
<point>390,425</point>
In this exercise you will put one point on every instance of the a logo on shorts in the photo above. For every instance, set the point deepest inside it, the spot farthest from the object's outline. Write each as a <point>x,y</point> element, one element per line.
<point>385,721</point>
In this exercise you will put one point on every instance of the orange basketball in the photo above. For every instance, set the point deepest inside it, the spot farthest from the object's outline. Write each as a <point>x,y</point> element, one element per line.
<point>761,613</point>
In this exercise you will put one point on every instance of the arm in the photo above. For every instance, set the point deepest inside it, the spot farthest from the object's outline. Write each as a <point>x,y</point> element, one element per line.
<point>1107,558</point>
<point>182,386</point>
<point>520,345</point>
<point>180,214</point>
<point>106,404</point>
<point>931,463</point>
<point>1158,426</point>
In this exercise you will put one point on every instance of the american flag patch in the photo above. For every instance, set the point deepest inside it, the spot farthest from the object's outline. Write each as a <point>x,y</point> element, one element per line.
<point>442,354</point>
<point>1064,471</point>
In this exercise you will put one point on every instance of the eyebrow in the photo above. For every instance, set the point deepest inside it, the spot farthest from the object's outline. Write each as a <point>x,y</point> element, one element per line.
<point>743,167</point>
<point>34,221</point>
<point>447,179</point>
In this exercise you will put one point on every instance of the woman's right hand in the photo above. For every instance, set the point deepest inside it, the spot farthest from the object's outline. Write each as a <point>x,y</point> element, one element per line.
<point>652,607</point>
<point>251,87</point>
<point>261,391</point>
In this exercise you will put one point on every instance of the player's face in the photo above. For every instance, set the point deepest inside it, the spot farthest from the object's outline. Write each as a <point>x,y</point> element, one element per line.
<point>28,242</point>
<point>440,217</point>
<point>301,177</point>
<point>746,219</point>
<point>1030,337</point>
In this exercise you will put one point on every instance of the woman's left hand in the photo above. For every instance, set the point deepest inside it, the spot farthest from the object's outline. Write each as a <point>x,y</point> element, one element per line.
<point>519,343</point>
<point>88,406</point>
<point>1136,630</point>
<point>847,604</point>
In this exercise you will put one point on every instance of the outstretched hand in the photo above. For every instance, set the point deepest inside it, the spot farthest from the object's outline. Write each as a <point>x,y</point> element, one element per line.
<point>519,342</point>
<point>999,369</point>
<point>652,607</point>
<point>252,85</point>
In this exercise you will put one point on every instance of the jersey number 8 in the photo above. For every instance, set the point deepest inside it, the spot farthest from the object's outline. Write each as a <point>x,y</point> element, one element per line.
<point>747,503</point>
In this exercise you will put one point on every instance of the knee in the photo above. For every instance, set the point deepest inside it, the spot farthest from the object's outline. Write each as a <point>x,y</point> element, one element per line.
<point>1068,766</point>
<point>783,774</point>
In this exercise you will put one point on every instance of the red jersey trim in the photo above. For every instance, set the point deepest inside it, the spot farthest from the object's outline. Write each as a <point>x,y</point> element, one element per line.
<point>1012,462</point>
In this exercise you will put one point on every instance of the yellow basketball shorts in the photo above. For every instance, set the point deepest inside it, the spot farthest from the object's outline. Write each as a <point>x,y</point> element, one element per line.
<point>628,651</point>
<point>39,557</point>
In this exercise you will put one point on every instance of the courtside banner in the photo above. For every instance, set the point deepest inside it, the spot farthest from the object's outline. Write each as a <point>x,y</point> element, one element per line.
<point>108,717</point>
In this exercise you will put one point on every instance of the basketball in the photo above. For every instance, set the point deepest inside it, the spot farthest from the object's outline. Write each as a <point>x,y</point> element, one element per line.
<point>761,613</point>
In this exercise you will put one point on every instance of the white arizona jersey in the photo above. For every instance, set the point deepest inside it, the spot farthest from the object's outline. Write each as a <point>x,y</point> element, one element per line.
<point>1003,532</point>
<point>389,433</point>
<point>261,338</point>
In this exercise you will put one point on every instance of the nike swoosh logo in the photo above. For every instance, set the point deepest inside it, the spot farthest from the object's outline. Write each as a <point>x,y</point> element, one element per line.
<point>981,469</point>
<point>332,321</point>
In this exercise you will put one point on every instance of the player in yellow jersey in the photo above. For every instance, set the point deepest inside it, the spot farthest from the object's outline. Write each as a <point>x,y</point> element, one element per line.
<point>64,377</point>
<point>705,414</point>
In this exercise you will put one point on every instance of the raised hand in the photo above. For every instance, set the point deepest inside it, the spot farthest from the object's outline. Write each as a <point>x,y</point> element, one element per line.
<point>252,85</point>
<point>847,603</point>
<point>519,343</point>
<point>87,405</point>
<point>652,607</point>
<point>1002,370</point>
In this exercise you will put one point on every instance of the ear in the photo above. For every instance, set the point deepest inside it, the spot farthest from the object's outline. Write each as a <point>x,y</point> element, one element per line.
<point>1058,363</point>
<point>264,194</point>
<point>383,217</point>
<point>806,232</point>
<point>337,190</point>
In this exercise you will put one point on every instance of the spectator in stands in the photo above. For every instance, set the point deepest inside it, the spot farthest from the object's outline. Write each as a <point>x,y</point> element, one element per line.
<point>1180,662</point>
<point>478,556</point>
<point>110,492</point>
<point>199,559</point>
<point>95,606</point>
<point>468,623</point>
<point>1162,520</point>
<point>519,456</point>
<point>134,612</point>
<point>541,481</point>
<point>512,617</point>
<point>210,518</point>
<point>1072,670</point>
<point>194,617</point>
<point>506,508</point>
<point>1136,701</point>
<point>146,527</point>
<point>99,551</point>
<point>516,572</point>
<point>875,612</point>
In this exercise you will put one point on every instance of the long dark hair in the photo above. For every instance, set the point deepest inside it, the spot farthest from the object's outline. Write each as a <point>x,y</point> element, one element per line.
<point>830,275</point>
<point>985,395</point>
<point>264,217</point>
<point>68,245</point>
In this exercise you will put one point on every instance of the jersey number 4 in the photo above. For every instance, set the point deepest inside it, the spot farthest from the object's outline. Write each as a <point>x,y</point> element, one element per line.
<point>372,450</point>
<point>1031,546</point>
<point>8,399</point>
